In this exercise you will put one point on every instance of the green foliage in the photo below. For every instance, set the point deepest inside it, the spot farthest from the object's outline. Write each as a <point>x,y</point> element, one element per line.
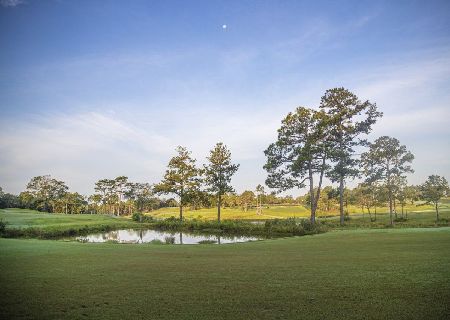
<point>8,200</point>
<point>301,150</point>
<point>387,162</point>
<point>275,227</point>
<point>207,242</point>
<point>246,200</point>
<point>348,118</point>
<point>169,240</point>
<point>2,226</point>
<point>44,192</point>
<point>434,189</point>
<point>219,170</point>
<point>139,217</point>
<point>181,178</point>
<point>156,241</point>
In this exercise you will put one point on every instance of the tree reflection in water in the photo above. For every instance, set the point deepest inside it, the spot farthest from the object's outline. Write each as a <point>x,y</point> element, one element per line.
<point>146,236</point>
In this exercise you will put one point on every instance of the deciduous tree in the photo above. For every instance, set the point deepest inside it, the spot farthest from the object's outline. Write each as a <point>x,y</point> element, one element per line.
<point>46,191</point>
<point>246,199</point>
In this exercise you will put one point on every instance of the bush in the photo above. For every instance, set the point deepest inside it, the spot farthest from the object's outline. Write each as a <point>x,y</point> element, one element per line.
<point>2,226</point>
<point>442,222</point>
<point>169,240</point>
<point>139,217</point>
<point>289,226</point>
<point>207,242</point>
<point>400,219</point>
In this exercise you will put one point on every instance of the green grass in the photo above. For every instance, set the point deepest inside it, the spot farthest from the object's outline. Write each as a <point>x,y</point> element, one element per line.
<point>24,218</point>
<point>280,212</point>
<point>31,223</point>
<point>362,274</point>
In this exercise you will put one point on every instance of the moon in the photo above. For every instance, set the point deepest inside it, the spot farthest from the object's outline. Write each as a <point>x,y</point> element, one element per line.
<point>224,26</point>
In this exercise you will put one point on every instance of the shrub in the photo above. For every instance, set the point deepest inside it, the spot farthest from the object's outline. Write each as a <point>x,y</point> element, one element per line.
<point>139,217</point>
<point>169,240</point>
<point>207,242</point>
<point>2,226</point>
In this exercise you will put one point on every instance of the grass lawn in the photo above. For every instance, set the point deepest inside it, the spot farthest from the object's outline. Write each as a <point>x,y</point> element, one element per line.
<point>360,274</point>
<point>24,218</point>
<point>284,212</point>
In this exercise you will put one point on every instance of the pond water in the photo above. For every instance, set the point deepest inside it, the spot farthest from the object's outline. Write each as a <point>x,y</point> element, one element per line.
<point>147,236</point>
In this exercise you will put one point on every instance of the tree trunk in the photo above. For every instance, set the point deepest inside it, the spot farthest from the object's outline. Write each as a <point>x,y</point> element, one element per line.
<point>219,203</point>
<point>389,192</point>
<point>317,196</point>
<point>437,212</point>
<point>311,195</point>
<point>395,208</point>
<point>341,200</point>
<point>181,211</point>
<point>390,206</point>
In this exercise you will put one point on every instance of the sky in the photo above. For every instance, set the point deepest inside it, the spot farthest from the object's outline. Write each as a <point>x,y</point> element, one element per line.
<point>98,89</point>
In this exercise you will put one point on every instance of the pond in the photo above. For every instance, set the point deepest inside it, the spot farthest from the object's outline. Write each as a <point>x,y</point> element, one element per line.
<point>155,236</point>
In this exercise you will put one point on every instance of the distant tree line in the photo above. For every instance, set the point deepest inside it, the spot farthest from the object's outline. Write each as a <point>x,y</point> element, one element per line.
<point>120,197</point>
<point>311,145</point>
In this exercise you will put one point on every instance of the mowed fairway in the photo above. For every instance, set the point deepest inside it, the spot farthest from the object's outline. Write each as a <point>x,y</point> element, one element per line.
<point>370,274</point>
<point>24,218</point>
<point>280,211</point>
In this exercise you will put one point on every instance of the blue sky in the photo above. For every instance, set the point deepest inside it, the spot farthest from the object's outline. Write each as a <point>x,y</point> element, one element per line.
<point>97,89</point>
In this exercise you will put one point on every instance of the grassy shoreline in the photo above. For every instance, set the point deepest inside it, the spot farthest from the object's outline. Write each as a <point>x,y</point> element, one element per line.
<point>32,224</point>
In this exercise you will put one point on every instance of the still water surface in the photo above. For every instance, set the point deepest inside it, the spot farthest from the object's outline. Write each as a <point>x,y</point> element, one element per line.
<point>146,236</point>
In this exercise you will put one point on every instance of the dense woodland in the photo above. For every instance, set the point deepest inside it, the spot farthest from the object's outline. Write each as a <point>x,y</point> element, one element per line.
<point>311,145</point>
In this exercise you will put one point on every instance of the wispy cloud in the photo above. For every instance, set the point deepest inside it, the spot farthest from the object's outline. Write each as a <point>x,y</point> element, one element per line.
<point>11,3</point>
<point>81,148</point>
<point>423,73</point>
<point>78,148</point>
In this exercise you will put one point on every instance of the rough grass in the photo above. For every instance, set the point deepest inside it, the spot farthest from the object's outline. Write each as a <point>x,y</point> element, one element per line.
<point>370,274</point>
